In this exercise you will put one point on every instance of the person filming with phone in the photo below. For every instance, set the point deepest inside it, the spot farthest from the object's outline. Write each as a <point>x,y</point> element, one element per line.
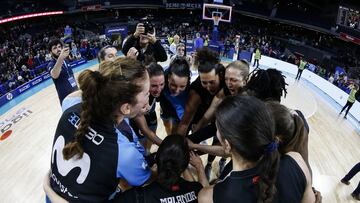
<point>144,46</point>
<point>60,72</point>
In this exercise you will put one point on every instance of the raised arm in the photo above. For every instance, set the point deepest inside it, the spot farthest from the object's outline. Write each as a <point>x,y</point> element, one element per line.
<point>191,106</point>
<point>210,113</point>
<point>56,70</point>
<point>144,128</point>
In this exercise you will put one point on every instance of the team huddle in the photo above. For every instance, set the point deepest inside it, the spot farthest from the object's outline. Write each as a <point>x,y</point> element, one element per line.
<point>101,149</point>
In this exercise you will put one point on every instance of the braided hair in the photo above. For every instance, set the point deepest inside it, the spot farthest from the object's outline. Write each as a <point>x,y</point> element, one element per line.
<point>117,82</point>
<point>267,84</point>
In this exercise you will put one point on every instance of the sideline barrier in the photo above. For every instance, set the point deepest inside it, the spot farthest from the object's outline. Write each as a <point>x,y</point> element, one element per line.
<point>338,95</point>
<point>8,97</point>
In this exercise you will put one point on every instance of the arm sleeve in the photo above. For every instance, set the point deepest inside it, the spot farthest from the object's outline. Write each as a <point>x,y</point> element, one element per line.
<point>128,44</point>
<point>132,165</point>
<point>159,52</point>
<point>69,102</point>
<point>50,65</point>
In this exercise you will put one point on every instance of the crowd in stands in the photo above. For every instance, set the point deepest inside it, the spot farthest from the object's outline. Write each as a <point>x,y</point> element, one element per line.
<point>24,51</point>
<point>15,8</point>
<point>268,40</point>
<point>21,51</point>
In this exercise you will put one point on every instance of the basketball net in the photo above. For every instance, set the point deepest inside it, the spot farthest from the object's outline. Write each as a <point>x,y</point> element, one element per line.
<point>216,20</point>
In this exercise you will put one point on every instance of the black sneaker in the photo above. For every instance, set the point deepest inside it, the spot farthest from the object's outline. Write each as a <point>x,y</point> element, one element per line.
<point>208,168</point>
<point>356,196</point>
<point>345,181</point>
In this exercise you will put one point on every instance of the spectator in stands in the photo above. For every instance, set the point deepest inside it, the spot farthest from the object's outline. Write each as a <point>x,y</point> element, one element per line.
<point>107,53</point>
<point>180,53</point>
<point>170,39</point>
<point>331,78</point>
<point>60,71</point>
<point>206,41</point>
<point>30,61</point>
<point>48,56</point>
<point>148,48</point>
<point>174,44</point>
<point>75,54</point>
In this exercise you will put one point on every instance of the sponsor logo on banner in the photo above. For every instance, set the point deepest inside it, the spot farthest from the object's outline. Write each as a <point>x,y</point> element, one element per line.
<point>25,87</point>
<point>9,96</point>
<point>7,125</point>
<point>184,5</point>
<point>46,76</point>
<point>37,81</point>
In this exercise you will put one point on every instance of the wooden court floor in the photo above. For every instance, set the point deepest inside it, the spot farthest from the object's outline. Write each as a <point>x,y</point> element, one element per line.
<point>25,154</point>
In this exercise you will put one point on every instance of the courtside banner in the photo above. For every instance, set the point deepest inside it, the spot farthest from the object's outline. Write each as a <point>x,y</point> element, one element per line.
<point>123,29</point>
<point>77,63</point>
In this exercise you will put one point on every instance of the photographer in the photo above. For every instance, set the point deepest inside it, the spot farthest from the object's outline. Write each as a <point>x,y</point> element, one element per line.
<point>59,70</point>
<point>144,46</point>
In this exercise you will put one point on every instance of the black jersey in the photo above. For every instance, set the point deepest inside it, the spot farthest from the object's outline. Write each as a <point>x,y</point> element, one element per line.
<point>150,116</point>
<point>110,153</point>
<point>301,115</point>
<point>206,98</point>
<point>90,178</point>
<point>184,192</point>
<point>240,186</point>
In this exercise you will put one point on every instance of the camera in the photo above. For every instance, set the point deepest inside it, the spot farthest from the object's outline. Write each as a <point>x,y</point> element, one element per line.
<point>149,27</point>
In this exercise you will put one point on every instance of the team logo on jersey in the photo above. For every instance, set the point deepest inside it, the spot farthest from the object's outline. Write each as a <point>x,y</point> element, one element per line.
<point>7,125</point>
<point>65,166</point>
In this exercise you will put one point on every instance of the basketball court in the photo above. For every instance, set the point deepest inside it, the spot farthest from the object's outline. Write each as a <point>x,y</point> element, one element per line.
<point>27,131</point>
<point>25,153</point>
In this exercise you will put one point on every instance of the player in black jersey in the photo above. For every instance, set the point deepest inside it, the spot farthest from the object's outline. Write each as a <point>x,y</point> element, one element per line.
<point>146,125</point>
<point>236,74</point>
<point>202,91</point>
<point>246,131</point>
<point>93,141</point>
<point>291,131</point>
<point>172,159</point>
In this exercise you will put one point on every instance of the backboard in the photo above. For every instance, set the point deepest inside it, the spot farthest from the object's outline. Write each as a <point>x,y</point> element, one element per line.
<point>222,12</point>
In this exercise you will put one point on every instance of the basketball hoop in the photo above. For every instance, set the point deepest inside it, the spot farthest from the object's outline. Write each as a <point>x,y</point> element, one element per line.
<point>216,20</point>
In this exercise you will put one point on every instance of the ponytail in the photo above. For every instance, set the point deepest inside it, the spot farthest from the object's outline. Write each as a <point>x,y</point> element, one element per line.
<point>169,173</point>
<point>117,82</point>
<point>88,81</point>
<point>267,169</point>
<point>172,159</point>
<point>248,125</point>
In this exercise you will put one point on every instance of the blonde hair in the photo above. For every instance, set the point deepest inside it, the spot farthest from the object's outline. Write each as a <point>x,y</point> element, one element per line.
<point>241,65</point>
